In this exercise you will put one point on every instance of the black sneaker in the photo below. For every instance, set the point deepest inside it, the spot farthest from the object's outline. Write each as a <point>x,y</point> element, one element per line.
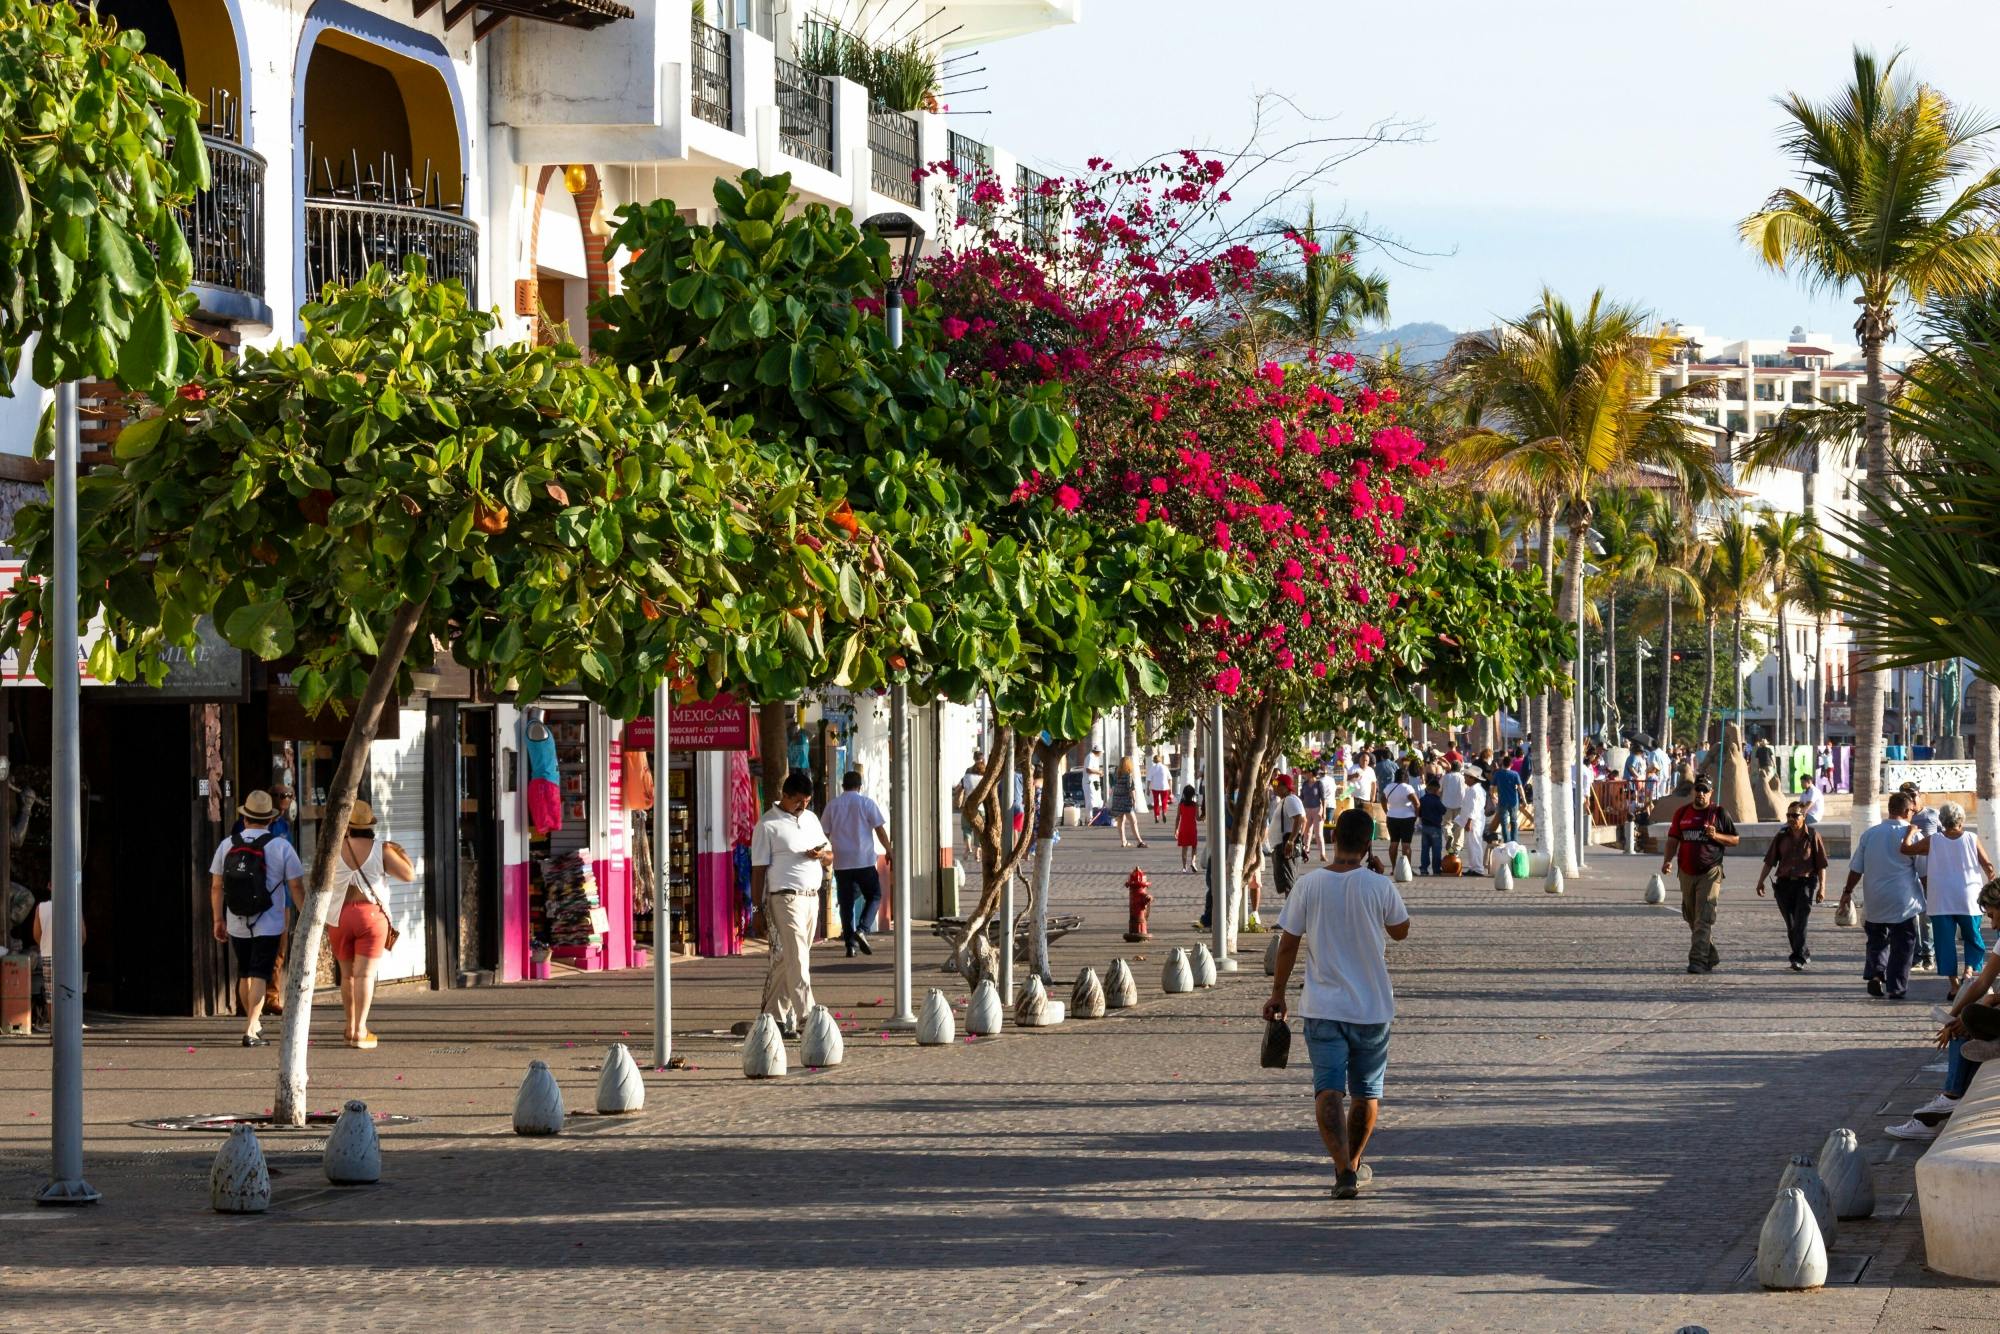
<point>862,941</point>
<point>1697,968</point>
<point>255,1040</point>
<point>1875,986</point>
<point>1798,967</point>
<point>1345,1186</point>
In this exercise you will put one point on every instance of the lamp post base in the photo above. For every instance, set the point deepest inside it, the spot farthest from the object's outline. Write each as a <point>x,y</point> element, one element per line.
<point>1225,964</point>
<point>68,1192</point>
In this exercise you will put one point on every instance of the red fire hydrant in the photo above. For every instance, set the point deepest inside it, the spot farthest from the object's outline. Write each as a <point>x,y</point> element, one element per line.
<point>1141,900</point>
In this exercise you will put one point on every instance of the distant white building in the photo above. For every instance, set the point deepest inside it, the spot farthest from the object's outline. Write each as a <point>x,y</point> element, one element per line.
<point>1757,381</point>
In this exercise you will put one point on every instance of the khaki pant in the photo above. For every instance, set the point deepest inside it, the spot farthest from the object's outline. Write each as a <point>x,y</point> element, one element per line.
<point>1699,895</point>
<point>789,920</point>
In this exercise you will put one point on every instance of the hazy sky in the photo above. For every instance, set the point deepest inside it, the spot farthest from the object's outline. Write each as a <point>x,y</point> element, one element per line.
<point>1572,143</point>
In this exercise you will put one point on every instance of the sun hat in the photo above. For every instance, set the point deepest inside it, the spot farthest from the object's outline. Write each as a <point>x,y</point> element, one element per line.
<point>258,806</point>
<point>361,816</point>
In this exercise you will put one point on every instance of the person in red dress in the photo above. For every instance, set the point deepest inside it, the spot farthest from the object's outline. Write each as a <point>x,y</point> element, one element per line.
<point>1187,828</point>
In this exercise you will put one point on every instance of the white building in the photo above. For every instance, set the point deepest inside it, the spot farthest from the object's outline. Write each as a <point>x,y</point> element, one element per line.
<point>1757,381</point>
<point>494,138</point>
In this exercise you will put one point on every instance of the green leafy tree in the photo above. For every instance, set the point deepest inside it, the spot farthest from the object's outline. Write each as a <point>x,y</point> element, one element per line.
<point>98,148</point>
<point>1787,544</point>
<point>393,485</point>
<point>771,314</point>
<point>1736,581</point>
<point>1895,203</point>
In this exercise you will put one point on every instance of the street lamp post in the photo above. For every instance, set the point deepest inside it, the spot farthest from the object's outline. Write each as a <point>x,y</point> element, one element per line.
<point>66,1184</point>
<point>663,912</point>
<point>1218,839</point>
<point>900,227</point>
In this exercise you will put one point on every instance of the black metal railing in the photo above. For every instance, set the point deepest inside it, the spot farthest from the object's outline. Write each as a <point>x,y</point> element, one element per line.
<point>972,162</point>
<point>805,114</point>
<point>894,144</point>
<point>713,92</point>
<point>344,236</point>
<point>224,225</point>
<point>1041,212</point>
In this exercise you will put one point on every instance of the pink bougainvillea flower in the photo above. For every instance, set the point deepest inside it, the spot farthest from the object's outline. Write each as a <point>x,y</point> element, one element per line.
<point>1069,497</point>
<point>954,328</point>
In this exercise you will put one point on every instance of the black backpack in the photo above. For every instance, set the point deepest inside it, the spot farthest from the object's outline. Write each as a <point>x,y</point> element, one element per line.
<point>246,891</point>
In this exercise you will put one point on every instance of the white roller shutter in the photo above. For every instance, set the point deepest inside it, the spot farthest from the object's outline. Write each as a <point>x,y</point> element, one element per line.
<point>396,791</point>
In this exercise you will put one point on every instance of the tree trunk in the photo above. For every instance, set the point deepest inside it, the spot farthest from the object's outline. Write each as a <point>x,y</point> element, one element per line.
<point>1986,759</point>
<point>988,813</point>
<point>1247,766</point>
<point>1736,665</point>
<point>1045,854</point>
<point>1817,694</point>
<point>1664,738</point>
<point>773,731</point>
<point>316,914</point>
<point>1615,716</point>
<point>1870,685</point>
<point>1540,724</point>
<point>1784,718</point>
<point>1708,688</point>
<point>1563,756</point>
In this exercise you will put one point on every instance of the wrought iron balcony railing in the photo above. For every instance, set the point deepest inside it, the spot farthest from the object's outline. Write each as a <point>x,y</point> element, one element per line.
<point>972,162</point>
<point>344,236</point>
<point>893,143</point>
<point>224,224</point>
<point>713,94</point>
<point>805,115</point>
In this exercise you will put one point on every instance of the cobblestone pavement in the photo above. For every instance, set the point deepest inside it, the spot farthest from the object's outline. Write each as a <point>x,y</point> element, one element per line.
<point>1576,1135</point>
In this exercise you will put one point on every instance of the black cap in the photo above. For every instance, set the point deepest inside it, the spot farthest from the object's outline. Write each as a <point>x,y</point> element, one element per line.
<point>1703,783</point>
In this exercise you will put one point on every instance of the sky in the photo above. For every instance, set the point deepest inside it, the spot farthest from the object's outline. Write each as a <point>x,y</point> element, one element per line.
<point>1613,144</point>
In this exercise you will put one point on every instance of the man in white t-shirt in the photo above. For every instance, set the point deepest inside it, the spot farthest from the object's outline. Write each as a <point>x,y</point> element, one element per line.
<point>1159,787</point>
<point>1344,916</point>
<point>1284,828</point>
<point>1451,791</point>
<point>1361,782</point>
<point>856,827</point>
<point>789,855</point>
<point>254,936</point>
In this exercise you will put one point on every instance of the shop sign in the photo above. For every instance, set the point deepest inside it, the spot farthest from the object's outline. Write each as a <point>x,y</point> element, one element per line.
<point>722,723</point>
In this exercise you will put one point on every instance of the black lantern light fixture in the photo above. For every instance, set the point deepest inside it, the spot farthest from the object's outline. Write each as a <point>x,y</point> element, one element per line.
<point>893,228</point>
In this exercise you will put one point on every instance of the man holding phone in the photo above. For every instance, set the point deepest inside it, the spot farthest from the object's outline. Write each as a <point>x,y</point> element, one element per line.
<point>789,854</point>
<point>1699,833</point>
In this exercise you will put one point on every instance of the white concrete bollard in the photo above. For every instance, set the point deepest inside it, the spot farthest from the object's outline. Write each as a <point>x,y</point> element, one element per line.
<point>1086,998</point>
<point>935,1026</point>
<point>1631,830</point>
<point>1121,989</point>
<point>1403,875</point>
<point>620,1089</point>
<point>1032,1004</point>
<point>1503,877</point>
<point>821,1045</point>
<point>1803,1175</point>
<point>1177,975</point>
<point>1849,1178</point>
<point>1554,883</point>
<point>238,1182</point>
<point>538,1107</point>
<point>353,1154</point>
<point>1791,1255</point>
<point>1203,966</point>
<point>764,1050</point>
<point>1656,888</point>
<point>1271,953</point>
<point>983,1015</point>
<point>1071,817</point>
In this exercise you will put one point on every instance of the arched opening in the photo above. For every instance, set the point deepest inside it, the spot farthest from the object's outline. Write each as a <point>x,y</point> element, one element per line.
<point>383,169</point>
<point>197,39</point>
<point>562,273</point>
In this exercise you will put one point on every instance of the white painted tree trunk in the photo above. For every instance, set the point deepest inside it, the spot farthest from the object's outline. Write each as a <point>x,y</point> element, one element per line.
<point>1986,776</point>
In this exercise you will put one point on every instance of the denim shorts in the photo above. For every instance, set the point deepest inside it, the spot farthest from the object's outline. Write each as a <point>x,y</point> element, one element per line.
<point>1349,1058</point>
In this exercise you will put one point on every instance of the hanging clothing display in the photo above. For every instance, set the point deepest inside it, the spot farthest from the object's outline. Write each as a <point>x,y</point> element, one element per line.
<point>637,781</point>
<point>576,916</point>
<point>742,799</point>
<point>545,806</point>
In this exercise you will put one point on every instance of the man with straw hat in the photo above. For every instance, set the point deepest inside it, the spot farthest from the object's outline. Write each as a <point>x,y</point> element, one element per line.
<point>248,879</point>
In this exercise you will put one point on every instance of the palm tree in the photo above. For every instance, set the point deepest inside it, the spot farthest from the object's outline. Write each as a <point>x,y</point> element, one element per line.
<point>1627,562</point>
<point>1812,593</point>
<point>1785,542</point>
<point>1736,581</point>
<point>1894,205</point>
<point>1680,558</point>
<point>1325,300</point>
<point>1562,402</point>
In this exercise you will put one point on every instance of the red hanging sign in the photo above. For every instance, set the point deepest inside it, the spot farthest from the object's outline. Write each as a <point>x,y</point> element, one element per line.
<point>722,723</point>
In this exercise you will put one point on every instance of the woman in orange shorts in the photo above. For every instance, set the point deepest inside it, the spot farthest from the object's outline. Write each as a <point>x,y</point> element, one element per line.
<point>361,935</point>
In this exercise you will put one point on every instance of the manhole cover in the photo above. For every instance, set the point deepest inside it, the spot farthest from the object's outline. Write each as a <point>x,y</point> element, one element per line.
<point>222,1122</point>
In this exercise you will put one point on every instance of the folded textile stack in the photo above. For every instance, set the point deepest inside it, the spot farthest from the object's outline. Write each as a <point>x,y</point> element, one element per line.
<point>572,900</point>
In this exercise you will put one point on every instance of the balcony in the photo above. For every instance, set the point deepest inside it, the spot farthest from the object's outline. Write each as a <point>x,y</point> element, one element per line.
<point>224,226</point>
<point>805,115</point>
<point>971,162</point>
<point>894,142</point>
<point>1041,214</point>
<point>344,236</point>
<point>712,93</point>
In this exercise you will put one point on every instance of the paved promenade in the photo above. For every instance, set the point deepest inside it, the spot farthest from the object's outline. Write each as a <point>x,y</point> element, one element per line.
<point>1576,1135</point>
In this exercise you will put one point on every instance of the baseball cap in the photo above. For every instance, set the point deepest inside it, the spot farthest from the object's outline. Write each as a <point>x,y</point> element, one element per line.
<point>1703,783</point>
